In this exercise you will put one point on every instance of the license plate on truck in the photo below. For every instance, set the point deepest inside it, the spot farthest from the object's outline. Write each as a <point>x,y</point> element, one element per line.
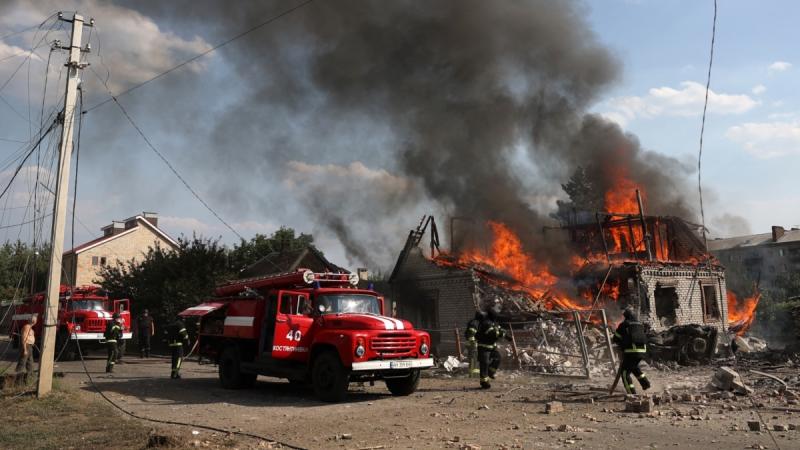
<point>400,365</point>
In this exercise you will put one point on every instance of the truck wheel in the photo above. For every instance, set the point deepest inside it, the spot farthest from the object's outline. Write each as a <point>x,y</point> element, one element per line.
<point>404,386</point>
<point>230,371</point>
<point>329,378</point>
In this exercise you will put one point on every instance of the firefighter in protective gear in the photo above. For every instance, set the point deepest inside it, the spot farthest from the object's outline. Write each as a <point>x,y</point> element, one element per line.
<point>631,335</point>
<point>113,335</point>
<point>489,332</point>
<point>472,343</point>
<point>177,337</point>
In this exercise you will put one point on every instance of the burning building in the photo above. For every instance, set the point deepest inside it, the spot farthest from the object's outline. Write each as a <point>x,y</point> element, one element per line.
<point>656,265</point>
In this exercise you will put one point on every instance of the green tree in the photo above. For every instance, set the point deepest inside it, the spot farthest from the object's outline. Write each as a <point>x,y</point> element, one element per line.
<point>583,196</point>
<point>284,239</point>
<point>774,313</point>
<point>22,267</point>
<point>167,282</point>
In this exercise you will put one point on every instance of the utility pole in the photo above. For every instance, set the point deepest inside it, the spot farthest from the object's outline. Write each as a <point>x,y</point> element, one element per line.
<point>49,323</point>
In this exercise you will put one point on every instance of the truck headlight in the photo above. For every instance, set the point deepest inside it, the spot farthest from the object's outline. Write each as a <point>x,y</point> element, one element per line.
<point>423,348</point>
<point>360,351</point>
<point>77,328</point>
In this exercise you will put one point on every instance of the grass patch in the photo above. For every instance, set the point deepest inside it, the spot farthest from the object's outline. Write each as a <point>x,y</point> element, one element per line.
<point>65,419</point>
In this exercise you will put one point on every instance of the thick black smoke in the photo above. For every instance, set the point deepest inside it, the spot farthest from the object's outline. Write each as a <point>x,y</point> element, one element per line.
<point>449,94</point>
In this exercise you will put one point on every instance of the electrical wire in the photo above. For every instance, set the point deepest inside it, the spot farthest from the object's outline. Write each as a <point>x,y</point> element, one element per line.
<point>703,127</point>
<point>14,33</point>
<point>16,172</point>
<point>173,422</point>
<point>166,161</point>
<point>200,55</point>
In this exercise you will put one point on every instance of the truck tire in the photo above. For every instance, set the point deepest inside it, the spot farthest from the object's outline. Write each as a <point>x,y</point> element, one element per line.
<point>230,371</point>
<point>403,386</point>
<point>329,377</point>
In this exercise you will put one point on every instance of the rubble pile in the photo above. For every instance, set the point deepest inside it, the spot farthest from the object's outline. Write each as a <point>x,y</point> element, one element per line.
<point>551,345</point>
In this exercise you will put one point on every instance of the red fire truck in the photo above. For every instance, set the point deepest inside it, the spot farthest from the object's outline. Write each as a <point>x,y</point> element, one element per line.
<point>83,313</point>
<point>309,327</point>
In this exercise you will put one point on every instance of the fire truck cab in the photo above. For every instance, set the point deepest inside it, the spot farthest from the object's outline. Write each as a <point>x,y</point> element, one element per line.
<point>83,313</point>
<point>309,327</point>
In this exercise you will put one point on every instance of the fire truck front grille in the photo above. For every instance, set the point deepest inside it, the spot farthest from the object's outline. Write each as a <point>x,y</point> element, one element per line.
<point>94,324</point>
<point>393,343</point>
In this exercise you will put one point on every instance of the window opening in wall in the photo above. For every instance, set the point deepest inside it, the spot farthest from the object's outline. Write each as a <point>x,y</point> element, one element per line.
<point>102,260</point>
<point>710,303</point>
<point>666,305</point>
<point>95,260</point>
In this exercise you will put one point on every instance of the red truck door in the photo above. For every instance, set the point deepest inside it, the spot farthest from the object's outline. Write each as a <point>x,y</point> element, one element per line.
<point>293,322</point>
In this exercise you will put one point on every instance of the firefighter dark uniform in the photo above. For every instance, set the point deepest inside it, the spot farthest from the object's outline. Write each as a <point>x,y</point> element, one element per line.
<point>177,337</point>
<point>112,335</point>
<point>631,336</point>
<point>489,332</point>
<point>472,343</point>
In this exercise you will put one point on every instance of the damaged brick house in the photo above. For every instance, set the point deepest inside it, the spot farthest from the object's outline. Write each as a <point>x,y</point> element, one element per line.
<point>655,265</point>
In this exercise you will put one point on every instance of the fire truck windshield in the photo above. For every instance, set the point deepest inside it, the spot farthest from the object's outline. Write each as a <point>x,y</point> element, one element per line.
<point>348,303</point>
<point>91,305</point>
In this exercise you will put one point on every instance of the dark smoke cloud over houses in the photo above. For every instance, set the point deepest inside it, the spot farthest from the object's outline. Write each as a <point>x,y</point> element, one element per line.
<point>449,99</point>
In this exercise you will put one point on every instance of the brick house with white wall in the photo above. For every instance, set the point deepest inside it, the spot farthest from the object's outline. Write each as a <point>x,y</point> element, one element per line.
<point>121,241</point>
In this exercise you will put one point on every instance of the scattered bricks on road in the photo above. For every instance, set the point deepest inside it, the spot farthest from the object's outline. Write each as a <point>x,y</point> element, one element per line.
<point>792,426</point>
<point>689,398</point>
<point>754,425</point>
<point>639,405</point>
<point>780,427</point>
<point>550,427</point>
<point>553,407</point>
<point>469,447</point>
<point>565,427</point>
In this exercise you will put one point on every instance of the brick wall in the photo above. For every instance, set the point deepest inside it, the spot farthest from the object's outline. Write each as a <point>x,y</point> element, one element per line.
<point>688,284</point>
<point>123,248</point>
<point>419,281</point>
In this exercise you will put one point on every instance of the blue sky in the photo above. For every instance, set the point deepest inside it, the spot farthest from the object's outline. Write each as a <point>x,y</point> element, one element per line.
<point>752,146</point>
<point>752,139</point>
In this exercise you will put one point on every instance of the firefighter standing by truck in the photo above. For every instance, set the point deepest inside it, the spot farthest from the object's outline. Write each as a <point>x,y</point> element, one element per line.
<point>177,337</point>
<point>112,335</point>
<point>630,334</point>
<point>489,332</point>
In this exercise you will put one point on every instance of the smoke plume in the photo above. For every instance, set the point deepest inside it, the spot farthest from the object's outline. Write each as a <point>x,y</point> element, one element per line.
<point>476,106</point>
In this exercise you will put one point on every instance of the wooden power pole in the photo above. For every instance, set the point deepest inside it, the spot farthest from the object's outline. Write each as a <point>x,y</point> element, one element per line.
<point>50,319</point>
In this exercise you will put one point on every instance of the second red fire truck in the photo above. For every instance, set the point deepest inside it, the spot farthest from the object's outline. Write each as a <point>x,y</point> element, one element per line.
<point>309,327</point>
<point>83,313</point>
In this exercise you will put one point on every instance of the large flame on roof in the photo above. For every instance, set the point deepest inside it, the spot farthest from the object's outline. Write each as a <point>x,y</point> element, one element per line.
<point>507,255</point>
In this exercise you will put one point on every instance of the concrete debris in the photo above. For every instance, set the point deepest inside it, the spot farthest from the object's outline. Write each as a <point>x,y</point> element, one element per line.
<point>754,425</point>
<point>748,344</point>
<point>451,364</point>
<point>639,404</point>
<point>553,407</point>
<point>779,427</point>
<point>727,379</point>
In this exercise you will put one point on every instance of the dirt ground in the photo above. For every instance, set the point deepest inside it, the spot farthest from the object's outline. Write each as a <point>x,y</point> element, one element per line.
<point>446,412</point>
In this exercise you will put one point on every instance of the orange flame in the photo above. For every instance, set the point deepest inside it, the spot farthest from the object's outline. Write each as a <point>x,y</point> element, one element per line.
<point>741,311</point>
<point>508,255</point>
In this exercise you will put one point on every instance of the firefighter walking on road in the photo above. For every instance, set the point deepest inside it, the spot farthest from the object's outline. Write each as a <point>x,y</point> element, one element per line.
<point>472,343</point>
<point>112,335</point>
<point>489,332</point>
<point>630,334</point>
<point>177,337</point>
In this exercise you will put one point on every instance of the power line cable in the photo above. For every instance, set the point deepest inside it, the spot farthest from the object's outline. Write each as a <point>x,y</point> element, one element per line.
<point>14,33</point>
<point>200,55</point>
<point>703,127</point>
<point>52,126</point>
<point>166,161</point>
